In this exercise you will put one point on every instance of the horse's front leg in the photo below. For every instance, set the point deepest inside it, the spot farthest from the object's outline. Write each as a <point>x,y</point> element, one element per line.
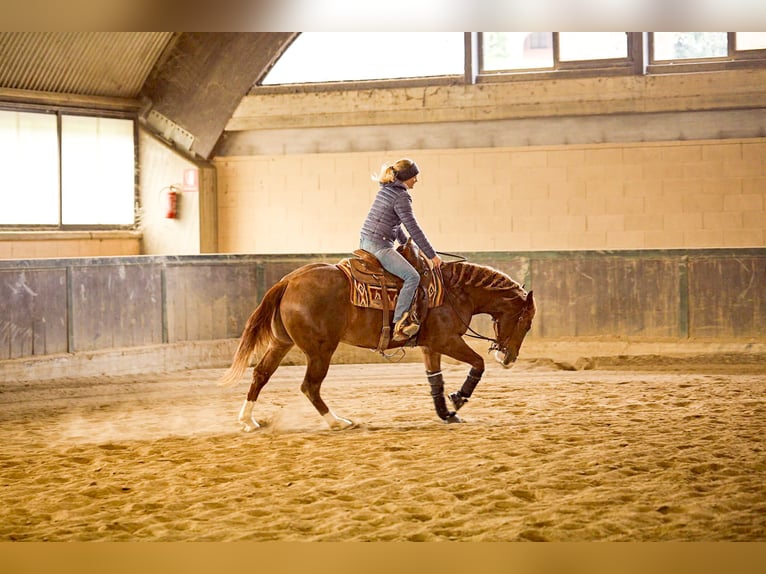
<point>461,396</point>
<point>458,349</point>
<point>432,361</point>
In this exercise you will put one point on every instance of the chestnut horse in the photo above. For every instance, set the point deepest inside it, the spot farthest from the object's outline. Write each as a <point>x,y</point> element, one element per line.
<point>311,308</point>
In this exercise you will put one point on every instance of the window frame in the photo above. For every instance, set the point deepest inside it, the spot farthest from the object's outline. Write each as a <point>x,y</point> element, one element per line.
<point>631,64</point>
<point>59,112</point>
<point>638,63</point>
<point>354,85</point>
<point>734,59</point>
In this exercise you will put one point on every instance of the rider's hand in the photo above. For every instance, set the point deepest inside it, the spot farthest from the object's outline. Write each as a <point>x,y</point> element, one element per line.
<point>437,261</point>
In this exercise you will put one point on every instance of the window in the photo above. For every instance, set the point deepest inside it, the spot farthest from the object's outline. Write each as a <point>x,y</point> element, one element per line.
<point>97,171</point>
<point>673,46</point>
<point>701,51</point>
<point>29,169</point>
<point>552,51</point>
<point>59,170</point>
<point>334,57</point>
<point>751,40</point>
<point>517,50</point>
<point>580,46</point>
<point>317,58</point>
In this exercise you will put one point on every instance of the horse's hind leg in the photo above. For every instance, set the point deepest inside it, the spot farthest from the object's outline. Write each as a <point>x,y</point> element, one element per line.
<point>261,374</point>
<point>316,371</point>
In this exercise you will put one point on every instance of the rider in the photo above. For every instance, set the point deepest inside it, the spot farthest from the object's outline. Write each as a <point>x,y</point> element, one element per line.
<point>391,208</point>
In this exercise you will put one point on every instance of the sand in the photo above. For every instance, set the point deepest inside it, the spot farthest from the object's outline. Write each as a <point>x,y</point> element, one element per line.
<point>619,452</point>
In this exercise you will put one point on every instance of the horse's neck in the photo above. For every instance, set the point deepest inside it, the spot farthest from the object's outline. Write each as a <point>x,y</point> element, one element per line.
<point>484,287</point>
<point>483,300</point>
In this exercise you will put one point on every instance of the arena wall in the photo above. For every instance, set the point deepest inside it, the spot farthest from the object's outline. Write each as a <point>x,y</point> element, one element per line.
<point>111,315</point>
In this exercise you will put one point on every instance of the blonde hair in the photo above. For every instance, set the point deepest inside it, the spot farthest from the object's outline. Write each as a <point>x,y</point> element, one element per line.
<point>388,173</point>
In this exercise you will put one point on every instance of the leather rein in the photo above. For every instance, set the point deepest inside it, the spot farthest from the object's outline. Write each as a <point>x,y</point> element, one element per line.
<point>470,332</point>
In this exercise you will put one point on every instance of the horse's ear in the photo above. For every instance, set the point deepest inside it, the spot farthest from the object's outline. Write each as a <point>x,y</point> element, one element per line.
<point>530,299</point>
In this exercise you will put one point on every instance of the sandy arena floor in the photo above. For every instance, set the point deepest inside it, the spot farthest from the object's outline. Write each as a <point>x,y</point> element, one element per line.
<point>647,454</point>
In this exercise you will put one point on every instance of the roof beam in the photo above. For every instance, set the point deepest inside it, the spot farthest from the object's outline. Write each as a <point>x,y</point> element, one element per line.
<point>201,81</point>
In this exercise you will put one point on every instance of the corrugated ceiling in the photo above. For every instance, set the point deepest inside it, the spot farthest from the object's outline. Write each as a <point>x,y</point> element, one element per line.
<point>83,63</point>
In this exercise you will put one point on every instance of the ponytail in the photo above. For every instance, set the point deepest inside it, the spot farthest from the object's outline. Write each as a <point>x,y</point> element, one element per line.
<point>402,170</point>
<point>385,175</point>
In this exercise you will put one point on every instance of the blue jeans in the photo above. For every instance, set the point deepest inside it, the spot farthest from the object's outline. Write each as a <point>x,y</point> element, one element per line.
<point>393,262</point>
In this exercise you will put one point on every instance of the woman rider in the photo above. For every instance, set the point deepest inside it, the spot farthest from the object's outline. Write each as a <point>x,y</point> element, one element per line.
<point>391,209</point>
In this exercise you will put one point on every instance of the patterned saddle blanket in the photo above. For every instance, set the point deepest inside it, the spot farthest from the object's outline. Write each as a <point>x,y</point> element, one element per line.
<point>367,279</point>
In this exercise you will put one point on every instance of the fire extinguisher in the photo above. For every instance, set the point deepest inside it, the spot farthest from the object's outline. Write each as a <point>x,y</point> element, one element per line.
<point>171,203</point>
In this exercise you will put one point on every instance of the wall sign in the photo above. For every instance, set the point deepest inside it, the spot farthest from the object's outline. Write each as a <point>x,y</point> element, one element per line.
<point>191,179</point>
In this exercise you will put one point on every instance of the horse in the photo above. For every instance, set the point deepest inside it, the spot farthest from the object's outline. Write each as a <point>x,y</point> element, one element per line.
<point>310,308</point>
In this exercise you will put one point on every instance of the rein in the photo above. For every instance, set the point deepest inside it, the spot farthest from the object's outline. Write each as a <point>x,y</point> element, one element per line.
<point>472,333</point>
<point>458,257</point>
<point>494,342</point>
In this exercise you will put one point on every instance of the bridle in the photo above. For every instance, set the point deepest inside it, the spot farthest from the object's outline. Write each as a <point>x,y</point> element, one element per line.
<point>495,344</point>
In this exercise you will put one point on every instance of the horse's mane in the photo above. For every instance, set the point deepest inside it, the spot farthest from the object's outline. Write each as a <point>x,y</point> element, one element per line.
<point>471,274</point>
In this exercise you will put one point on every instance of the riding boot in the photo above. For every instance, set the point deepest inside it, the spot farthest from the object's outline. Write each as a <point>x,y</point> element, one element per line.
<point>459,398</point>
<point>405,327</point>
<point>436,380</point>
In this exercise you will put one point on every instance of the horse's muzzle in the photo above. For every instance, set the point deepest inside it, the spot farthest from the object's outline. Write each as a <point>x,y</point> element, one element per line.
<point>505,358</point>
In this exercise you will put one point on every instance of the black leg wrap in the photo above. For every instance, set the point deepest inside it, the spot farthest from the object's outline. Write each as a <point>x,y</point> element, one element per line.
<point>437,393</point>
<point>470,383</point>
<point>459,398</point>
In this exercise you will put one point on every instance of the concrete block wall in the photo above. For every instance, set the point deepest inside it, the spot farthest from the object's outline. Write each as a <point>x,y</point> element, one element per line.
<point>663,195</point>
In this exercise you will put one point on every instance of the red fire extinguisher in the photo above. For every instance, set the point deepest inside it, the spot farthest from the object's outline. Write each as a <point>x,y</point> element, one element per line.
<point>171,203</point>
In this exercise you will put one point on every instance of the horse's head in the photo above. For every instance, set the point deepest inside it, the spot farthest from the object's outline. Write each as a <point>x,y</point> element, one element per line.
<point>511,326</point>
<point>495,293</point>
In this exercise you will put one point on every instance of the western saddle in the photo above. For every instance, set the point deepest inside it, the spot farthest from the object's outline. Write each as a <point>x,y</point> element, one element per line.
<point>373,287</point>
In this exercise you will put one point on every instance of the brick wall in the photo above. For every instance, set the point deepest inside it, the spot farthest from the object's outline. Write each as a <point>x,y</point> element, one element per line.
<point>687,194</point>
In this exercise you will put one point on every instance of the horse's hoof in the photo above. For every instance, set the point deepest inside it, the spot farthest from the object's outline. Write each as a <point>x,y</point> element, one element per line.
<point>453,418</point>
<point>337,423</point>
<point>249,425</point>
<point>457,400</point>
<point>342,424</point>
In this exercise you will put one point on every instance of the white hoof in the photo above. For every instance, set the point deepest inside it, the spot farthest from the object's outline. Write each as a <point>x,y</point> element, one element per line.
<point>249,424</point>
<point>336,422</point>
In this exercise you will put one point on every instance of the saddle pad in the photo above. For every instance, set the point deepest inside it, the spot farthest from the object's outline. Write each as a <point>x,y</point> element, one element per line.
<point>366,290</point>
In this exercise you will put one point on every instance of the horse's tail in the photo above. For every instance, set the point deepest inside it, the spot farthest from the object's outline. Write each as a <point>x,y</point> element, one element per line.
<point>257,334</point>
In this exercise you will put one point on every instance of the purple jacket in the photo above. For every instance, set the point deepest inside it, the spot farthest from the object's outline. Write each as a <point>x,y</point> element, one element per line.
<point>392,208</point>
